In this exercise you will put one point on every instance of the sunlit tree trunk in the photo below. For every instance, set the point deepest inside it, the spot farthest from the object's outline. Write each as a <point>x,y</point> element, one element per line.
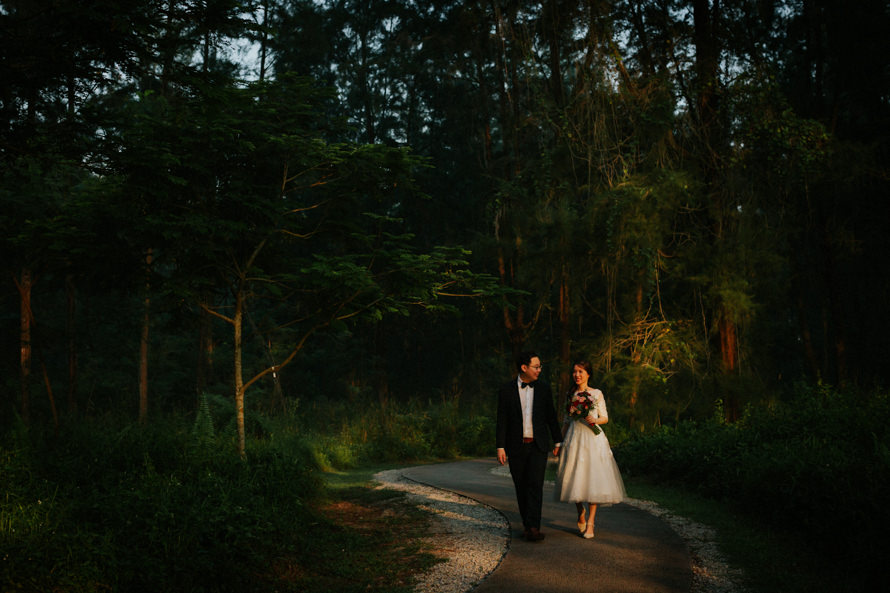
<point>728,334</point>
<point>239,387</point>
<point>237,324</point>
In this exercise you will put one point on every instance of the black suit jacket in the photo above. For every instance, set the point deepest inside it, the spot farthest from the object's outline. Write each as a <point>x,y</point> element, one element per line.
<point>509,420</point>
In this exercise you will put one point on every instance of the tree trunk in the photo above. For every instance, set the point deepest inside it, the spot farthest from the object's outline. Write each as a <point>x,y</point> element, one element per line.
<point>24,284</point>
<point>729,344</point>
<point>71,334</point>
<point>52,399</point>
<point>204,371</point>
<point>264,40</point>
<point>507,108</point>
<point>143,343</point>
<point>646,58</point>
<point>366,88</point>
<point>806,338</point>
<point>835,335</point>
<point>514,322</point>
<point>237,323</point>
<point>552,32</point>
<point>277,391</point>
<point>706,23</point>
<point>565,342</point>
<point>707,63</point>
<point>635,359</point>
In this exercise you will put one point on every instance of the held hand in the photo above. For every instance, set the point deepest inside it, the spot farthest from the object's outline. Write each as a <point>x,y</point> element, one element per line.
<point>556,451</point>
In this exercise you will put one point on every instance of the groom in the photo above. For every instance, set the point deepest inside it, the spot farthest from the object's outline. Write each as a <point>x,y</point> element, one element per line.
<point>525,416</point>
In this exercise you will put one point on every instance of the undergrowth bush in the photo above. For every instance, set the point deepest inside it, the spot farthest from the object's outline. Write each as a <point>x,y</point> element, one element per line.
<point>120,507</point>
<point>108,505</point>
<point>818,464</point>
<point>344,435</point>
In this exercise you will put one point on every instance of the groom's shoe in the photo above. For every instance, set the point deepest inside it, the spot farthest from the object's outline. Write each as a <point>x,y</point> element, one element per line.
<point>533,534</point>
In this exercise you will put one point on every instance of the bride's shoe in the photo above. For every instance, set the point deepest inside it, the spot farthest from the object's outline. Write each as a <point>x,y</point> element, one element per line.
<point>588,534</point>
<point>582,522</point>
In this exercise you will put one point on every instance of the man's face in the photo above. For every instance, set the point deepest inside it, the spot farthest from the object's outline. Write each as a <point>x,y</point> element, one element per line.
<point>531,371</point>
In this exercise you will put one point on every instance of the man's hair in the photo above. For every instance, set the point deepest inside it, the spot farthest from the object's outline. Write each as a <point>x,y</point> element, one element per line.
<point>525,357</point>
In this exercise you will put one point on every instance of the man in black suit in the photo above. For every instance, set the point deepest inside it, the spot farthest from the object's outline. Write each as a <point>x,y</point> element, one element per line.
<point>525,416</point>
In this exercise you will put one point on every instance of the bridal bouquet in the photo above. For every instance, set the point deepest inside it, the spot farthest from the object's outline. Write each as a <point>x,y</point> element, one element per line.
<point>580,405</point>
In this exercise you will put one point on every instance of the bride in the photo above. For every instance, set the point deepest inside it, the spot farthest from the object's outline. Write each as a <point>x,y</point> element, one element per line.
<point>587,471</point>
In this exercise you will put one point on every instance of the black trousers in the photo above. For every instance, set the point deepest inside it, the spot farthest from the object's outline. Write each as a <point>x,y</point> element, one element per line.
<point>527,467</point>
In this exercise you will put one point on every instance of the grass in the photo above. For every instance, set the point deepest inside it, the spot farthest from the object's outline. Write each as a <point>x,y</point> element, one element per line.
<point>371,540</point>
<point>138,509</point>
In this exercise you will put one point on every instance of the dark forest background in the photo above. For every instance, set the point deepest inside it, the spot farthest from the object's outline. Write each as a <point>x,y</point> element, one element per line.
<point>386,200</point>
<point>312,235</point>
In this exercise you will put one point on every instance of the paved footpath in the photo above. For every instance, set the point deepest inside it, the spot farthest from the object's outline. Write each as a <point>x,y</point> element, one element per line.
<point>632,551</point>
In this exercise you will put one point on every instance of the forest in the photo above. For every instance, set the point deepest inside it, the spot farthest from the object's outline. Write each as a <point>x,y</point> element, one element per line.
<point>243,214</point>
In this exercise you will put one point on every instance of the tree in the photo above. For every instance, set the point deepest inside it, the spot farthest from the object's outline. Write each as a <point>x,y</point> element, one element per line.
<point>54,60</point>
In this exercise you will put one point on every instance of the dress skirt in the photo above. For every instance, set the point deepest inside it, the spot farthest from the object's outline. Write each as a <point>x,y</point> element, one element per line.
<point>587,471</point>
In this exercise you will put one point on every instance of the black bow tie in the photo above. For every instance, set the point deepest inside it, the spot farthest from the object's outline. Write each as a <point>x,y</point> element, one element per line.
<point>524,384</point>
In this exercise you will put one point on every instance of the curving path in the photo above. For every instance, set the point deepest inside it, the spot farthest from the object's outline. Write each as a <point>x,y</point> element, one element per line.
<point>632,551</point>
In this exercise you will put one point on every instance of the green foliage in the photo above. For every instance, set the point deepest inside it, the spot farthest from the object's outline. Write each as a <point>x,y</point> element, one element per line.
<point>598,203</point>
<point>136,509</point>
<point>817,464</point>
<point>344,435</point>
<point>202,430</point>
<point>108,506</point>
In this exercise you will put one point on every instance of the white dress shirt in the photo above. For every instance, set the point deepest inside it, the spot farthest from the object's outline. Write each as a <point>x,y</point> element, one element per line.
<point>526,399</point>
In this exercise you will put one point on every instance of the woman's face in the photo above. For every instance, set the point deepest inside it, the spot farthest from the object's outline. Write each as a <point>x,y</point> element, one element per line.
<point>579,375</point>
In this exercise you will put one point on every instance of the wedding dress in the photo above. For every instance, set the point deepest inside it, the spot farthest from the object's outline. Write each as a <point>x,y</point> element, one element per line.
<point>587,470</point>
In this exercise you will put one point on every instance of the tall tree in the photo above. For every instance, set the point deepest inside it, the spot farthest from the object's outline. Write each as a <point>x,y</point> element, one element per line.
<point>55,59</point>
<point>833,72</point>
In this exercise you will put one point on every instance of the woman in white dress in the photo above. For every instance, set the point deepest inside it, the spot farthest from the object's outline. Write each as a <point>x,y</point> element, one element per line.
<point>587,470</point>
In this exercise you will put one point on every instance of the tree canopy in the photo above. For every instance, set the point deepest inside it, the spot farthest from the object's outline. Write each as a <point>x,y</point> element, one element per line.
<point>314,199</point>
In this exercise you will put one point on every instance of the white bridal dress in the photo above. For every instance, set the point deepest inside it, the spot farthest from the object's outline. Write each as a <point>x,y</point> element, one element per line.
<point>587,470</point>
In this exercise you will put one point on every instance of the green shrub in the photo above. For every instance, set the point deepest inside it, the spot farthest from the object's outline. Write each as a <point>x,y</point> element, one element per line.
<point>138,509</point>
<point>817,464</point>
<point>476,435</point>
<point>344,435</point>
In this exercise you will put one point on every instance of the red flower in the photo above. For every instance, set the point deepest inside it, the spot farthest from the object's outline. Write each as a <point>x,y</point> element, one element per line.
<point>580,406</point>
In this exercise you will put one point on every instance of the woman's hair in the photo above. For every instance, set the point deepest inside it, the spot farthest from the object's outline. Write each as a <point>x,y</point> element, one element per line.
<point>584,365</point>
